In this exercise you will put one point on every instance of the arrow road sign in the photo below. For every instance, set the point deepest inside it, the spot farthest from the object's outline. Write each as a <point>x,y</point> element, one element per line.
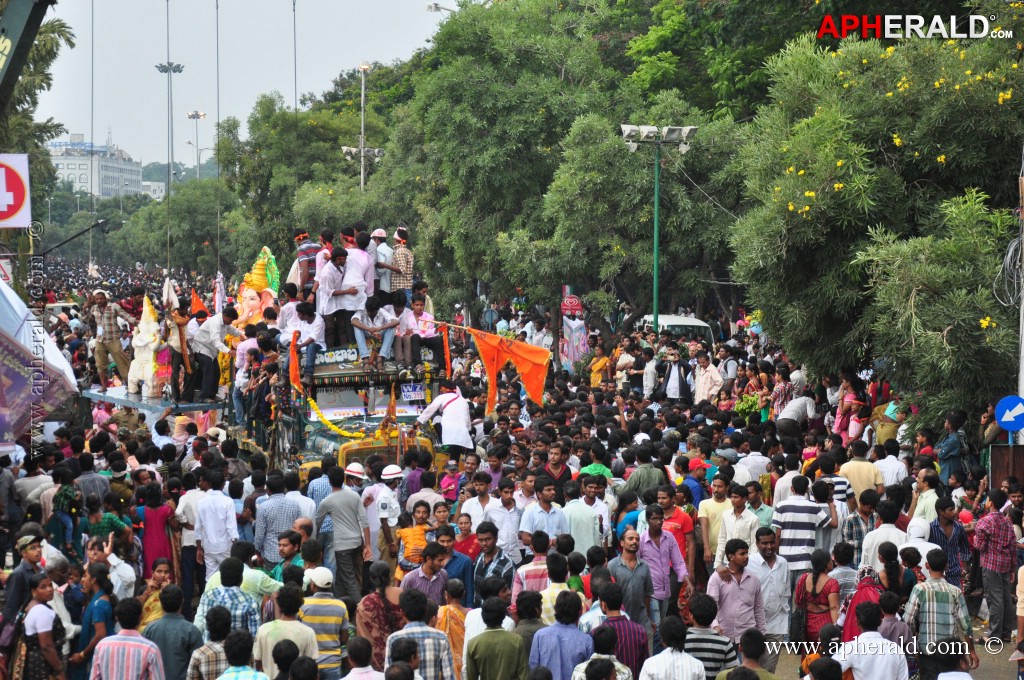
<point>1010,413</point>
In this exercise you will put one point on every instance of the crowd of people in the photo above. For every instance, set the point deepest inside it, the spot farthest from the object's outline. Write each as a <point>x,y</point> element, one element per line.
<point>673,512</point>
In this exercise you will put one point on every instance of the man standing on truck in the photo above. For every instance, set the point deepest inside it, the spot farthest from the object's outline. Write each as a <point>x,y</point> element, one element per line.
<point>451,409</point>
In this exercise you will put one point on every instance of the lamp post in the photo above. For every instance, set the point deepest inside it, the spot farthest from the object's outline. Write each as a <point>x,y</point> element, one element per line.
<point>49,218</point>
<point>199,155</point>
<point>436,7</point>
<point>363,68</point>
<point>196,116</point>
<point>121,192</point>
<point>649,134</point>
<point>170,68</point>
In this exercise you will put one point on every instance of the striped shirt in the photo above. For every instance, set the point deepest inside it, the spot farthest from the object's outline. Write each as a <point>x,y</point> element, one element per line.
<point>127,656</point>
<point>715,651</point>
<point>547,602</point>
<point>243,673</point>
<point>402,258</point>
<point>956,547</point>
<point>937,610</point>
<point>840,487</point>
<point>532,576</point>
<point>631,643</point>
<point>328,617</point>
<point>797,518</point>
<point>306,252</point>
<point>672,665</point>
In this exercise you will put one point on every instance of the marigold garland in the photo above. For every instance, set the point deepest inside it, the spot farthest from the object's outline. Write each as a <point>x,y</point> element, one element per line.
<point>329,425</point>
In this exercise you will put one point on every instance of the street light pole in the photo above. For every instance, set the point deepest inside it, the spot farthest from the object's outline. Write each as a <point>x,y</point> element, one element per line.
<point>49,214</point>
<point>657,228</point>
<point>363,68</point>
<point>121,192</point>
<point>633,135</point>
<point>196,116</point>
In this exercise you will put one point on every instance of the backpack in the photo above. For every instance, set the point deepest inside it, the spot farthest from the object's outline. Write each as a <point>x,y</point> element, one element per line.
<point>969,454</point>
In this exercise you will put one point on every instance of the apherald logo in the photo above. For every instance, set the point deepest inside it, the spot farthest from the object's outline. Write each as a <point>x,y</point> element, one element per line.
<point>898,26</point>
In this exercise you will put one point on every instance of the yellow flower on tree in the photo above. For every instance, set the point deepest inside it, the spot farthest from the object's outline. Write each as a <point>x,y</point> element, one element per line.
<point>839,163</point>
<point>809,194</point>
<point>791,206</point>
<point>896,139</point>
<point>838,186</point>
<point>941,159</point>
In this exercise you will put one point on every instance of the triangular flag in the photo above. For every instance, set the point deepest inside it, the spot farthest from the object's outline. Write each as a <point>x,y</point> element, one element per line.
<point>197,303</point>
<point>168,296</point>
<point>531,361</point>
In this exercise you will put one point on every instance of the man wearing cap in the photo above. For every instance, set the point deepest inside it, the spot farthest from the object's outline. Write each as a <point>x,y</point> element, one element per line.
<point>17,592</point>
<point>351,529</point>
<point>697,470</point>
<point>386,509</point>
<point>328,617</point>
<point>454,413</point>
<point>384,257</point>
<point>105,316</point>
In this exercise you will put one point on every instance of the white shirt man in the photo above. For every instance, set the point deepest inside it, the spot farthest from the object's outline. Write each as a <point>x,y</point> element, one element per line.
<point>186,515</point>
<point>215,528</point>
<point>331,279</point>
<point>310,329</point>
<point>875,538</point>
<point>359,270</point>
<point>893,471</point>
<point>755,462</point>
<point>453,410</point>
<point>384,255</point>
<point>871,657</point>
<point>306,505</point>
<point>800,409</point>
<point>210,338</point>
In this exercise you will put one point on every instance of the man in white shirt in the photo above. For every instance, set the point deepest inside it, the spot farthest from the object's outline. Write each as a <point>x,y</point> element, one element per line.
<point>453,411</point>
<point>215,528</point>
<point>191,572</point>
<point>307,506</point>
<point>794,414</point>
<point>384,256</point>
<point>311,337</point>
<point>209,341</point>
<point>772,570</point>
<point>888,513</point>
<point>755,462</point>
<point>359,272</point>
<point>286,317</point>
<point>893,471</point>
<point>375,322</point>
<point>330,293</point>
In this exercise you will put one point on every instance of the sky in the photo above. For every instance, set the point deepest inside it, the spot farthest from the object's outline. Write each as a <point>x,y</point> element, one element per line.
<point>255,57</point>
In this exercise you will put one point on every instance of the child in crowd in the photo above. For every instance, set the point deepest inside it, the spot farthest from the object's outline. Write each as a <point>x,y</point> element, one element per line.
<point>450,482</point>
<point>412,539</point>
<point>74,595</point>
<point>895,630</point>
<point>912,560</point>
<point>577,563</point>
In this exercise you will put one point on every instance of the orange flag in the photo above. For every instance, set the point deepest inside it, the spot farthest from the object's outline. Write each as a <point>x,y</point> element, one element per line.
<point>531,361</point>
<point>197,303</point>
<point>294,375</point>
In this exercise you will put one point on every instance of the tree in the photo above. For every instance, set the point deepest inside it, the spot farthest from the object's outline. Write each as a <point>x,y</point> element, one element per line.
<point>944,339</point>
<point>862,136</point>
<point>284,150</point>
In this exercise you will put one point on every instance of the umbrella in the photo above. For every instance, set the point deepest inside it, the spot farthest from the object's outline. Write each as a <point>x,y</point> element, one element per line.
<point>35,378</point>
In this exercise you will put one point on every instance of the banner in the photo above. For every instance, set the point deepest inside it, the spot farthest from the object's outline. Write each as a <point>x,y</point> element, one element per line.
<point>573,346</point>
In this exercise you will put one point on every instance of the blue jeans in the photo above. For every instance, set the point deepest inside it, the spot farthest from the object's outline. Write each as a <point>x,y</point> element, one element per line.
<point>656,611</point>
<point>193,575</point>
<point>387,339</point>
<point>309,350</point>
<point>239,402</point>
<point>65,522</point>
<point>327,543</point>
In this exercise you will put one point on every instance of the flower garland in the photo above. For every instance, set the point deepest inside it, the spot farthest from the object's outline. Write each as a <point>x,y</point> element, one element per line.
<point>426,381</point>
<point>331,426</point>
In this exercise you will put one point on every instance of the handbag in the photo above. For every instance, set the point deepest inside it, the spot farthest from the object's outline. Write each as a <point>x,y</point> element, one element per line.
<point>797,624</point>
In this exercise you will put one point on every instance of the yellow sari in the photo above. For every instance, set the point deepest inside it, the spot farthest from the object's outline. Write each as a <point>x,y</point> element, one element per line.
<point>151,611</point>
<point>452,622</point>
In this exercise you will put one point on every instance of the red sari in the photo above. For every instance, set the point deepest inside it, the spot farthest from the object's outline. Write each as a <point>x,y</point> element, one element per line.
<point>468,546</point>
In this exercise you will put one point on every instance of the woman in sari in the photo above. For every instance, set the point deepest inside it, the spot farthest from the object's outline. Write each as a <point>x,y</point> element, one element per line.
<point>41,636</point>
<point>851,398</point>
<point>378,614</point>
<point>97,619</point>
<point>150,597</point>
<point>818,594</point>
<point>451,620</point>
<point>869,589</point>
<point>599,366</point>
<point>156,515</point>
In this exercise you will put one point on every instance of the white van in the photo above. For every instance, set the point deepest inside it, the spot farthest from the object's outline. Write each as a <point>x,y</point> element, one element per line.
<point>682,327</point>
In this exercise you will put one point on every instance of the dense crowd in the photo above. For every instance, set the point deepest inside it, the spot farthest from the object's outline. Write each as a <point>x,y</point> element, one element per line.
<point>672,513</point>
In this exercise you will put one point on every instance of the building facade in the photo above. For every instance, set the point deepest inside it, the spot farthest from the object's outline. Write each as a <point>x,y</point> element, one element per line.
<point>105,171</point>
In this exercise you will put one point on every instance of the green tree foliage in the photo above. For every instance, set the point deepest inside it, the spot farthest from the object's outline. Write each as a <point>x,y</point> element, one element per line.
<point>388,86</point>
<point>191,217</point>
<point>862,136</point>
<point>284,150</point>
<point>935,322</point>
<point>714,52</point>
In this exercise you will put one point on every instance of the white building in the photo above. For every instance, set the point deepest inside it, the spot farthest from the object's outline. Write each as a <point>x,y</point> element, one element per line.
<point>154,190</point>
<point>106,171</point>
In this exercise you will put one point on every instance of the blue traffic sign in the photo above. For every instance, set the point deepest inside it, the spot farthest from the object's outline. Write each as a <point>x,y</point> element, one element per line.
<point>1010,413</point>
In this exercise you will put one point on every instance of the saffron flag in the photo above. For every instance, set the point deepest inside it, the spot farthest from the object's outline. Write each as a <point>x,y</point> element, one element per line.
<point>197,303</point>
<point>294,376</point>
<point>530,360</point>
